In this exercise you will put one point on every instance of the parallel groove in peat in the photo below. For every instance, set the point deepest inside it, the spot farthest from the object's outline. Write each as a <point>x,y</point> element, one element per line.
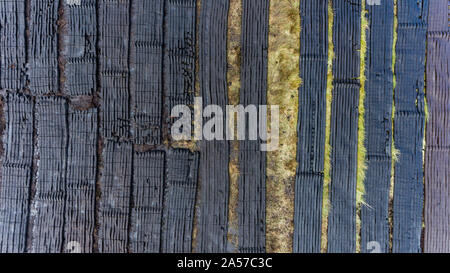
<point>378,124</point>
<point>311,126</point>
<point>344,126</point>
<point>214,176</point>
<point>437,153</point>
<point>252,178</point>
<point>409,123</point>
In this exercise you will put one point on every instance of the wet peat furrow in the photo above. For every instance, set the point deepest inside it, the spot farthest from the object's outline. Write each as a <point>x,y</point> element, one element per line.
<point>179,201</point>
<point>80,180</point>
<point>80,48</point>
<point>16,173</point>
<point>409,122</point>
<point>437,153</point>
<point>179,54</point>
<point>115,199</point>
<point>43,47</point>
<point>212,219</point>
<point>311,126</point>
<point>12,42</point>
<point>252,179</point>
<point>146,64</point>
<point>148,192</point>
<point>114,25</point>
<point>378,124</point>
<point>48,208</point>
<point>344,126</point>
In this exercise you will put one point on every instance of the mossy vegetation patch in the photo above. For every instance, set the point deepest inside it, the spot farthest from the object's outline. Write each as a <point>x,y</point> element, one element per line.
<point>362,151</point>
<point>234,85</point>
<point>395,153</point>
<point>327,165</point>
<point>283,84</point>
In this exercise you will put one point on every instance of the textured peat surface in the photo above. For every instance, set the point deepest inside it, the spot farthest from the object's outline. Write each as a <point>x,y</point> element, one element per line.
<point>80,178</point>
<point>311,126</point>
<point>115,199</point>
<point>80,48</point>
<point>51,188</point>
<point>437,154</point>
<point>378,124</point>
<point>16,172</point>
<point>179,53</point>
<point>214,190</point>
<point>179,195</point>
<point>43,47</point>
<point>114,25</point>
<point>344,126</point>
<point>88,165</point>
<point>409,123</point>
<point>252,178</point>
<point>12,20</point>
<point>148,193</point>
<point>82,86</point>
<point>146,63</point>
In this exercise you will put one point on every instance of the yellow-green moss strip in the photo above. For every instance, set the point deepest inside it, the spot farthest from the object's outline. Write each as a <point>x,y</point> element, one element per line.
<point>197,92</point>
<point>327,165</point>
<point>427,116</point>
<point>234,85</point>
<point>283,84</point>
<point>394,152</point>
<point>362,162</point>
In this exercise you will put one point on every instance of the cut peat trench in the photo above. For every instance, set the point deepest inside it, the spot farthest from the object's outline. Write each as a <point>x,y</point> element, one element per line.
<point>113,24</point>
<point>311,126</point>
<point>409,122</point>
<point>43,47</point>
<point>16,173</point>
<point>146,64</point>
<point>212,221</point>
<point>179,54</point>
<point>80,180</point>
<point>344,126</point>
<point>378,124</point>
<point>80,84</point>
<point>148,192</point>
<point>13,74</point>
<point>252,178</point>
<point>51,191</point>
<point>437,153</point>
<point>179,201</point>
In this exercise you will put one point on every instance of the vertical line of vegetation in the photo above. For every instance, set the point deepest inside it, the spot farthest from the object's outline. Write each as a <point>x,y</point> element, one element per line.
<point>327,165</point>
<point>283,84</point>
<point>234,85</point>
<point>362,151</point>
